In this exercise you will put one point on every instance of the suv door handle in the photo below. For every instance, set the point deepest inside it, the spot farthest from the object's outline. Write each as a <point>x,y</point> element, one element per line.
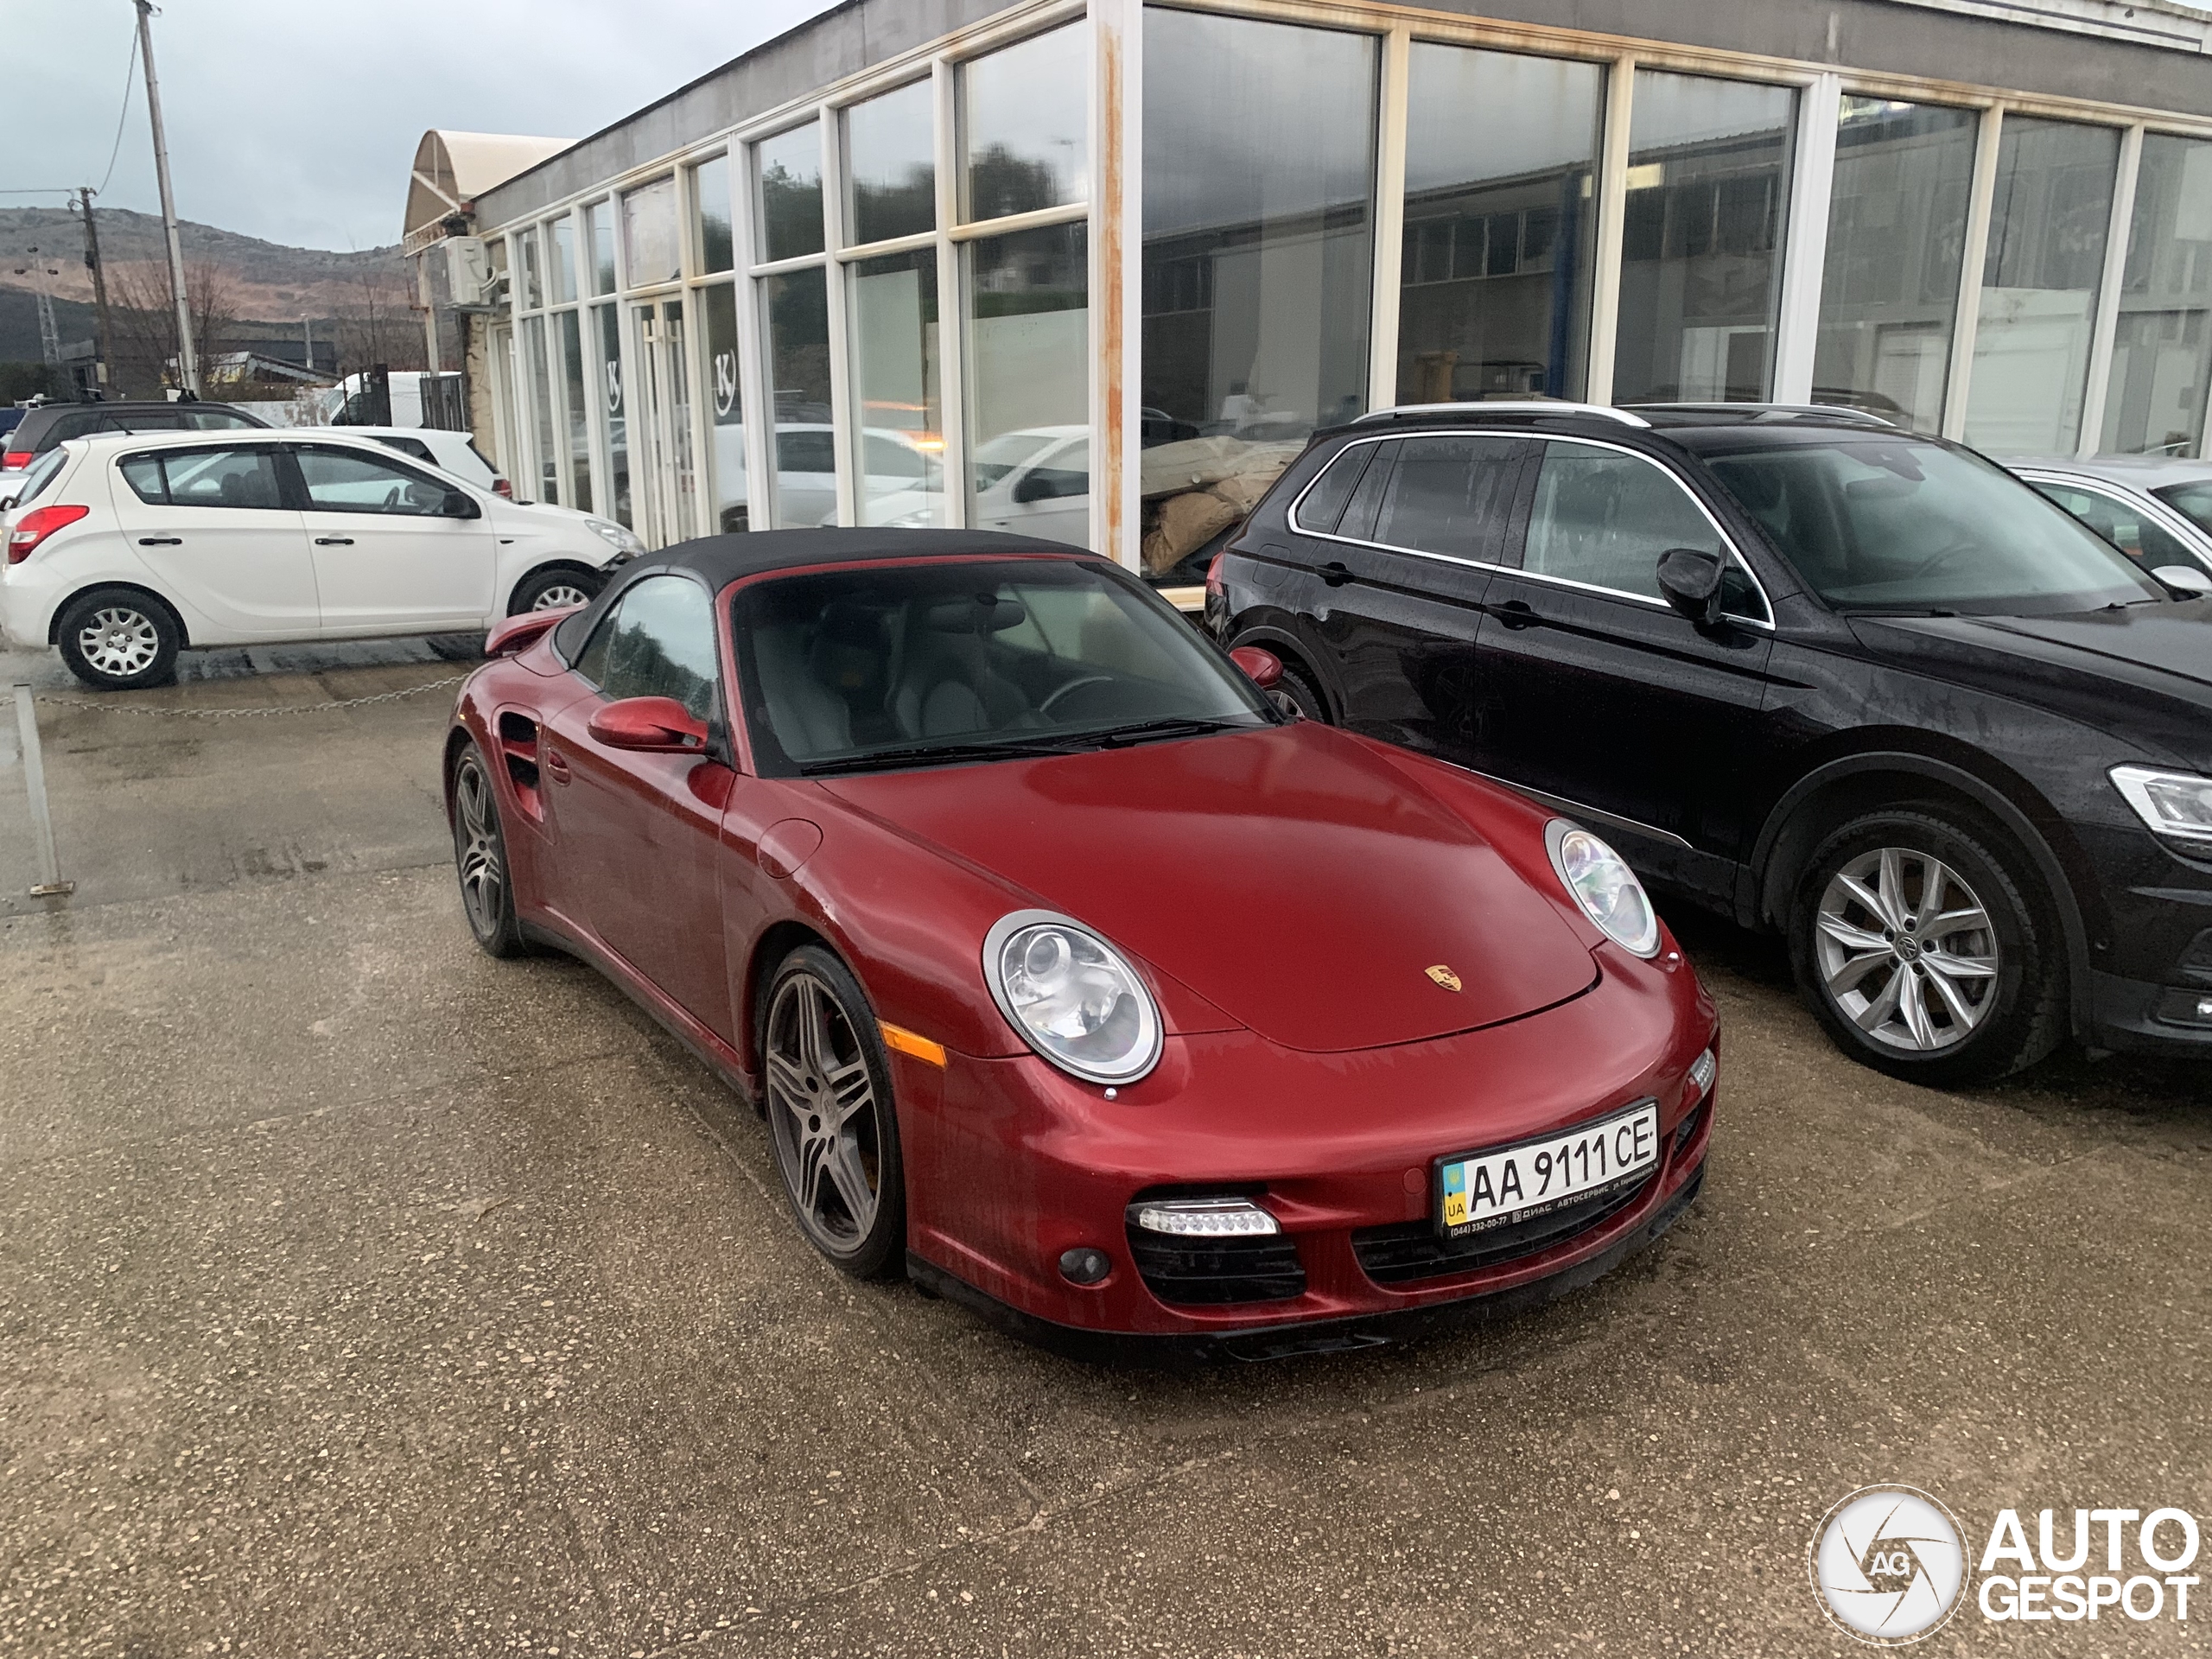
<point>1518,614</point>
<point>333,541</point>
<point>160,541</point>
<point>1335,574</point>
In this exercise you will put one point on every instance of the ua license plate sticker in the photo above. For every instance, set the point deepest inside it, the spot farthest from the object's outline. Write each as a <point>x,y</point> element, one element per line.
<point>1491,1189</point>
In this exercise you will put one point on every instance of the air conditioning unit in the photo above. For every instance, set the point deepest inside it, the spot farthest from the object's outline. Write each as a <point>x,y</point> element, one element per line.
<point>469,277</point>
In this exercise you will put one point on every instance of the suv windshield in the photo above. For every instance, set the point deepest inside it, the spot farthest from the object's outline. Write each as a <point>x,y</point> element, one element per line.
<point>854,670</point>
<point>2192,501</point>
<point>1881,523</point>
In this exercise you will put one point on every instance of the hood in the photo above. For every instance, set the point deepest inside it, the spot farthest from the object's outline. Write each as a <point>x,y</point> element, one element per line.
<point>2142,674</point>
<point>1291,876</point>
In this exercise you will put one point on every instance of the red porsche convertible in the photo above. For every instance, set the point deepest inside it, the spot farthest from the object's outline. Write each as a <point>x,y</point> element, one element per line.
<point>1073,977</point>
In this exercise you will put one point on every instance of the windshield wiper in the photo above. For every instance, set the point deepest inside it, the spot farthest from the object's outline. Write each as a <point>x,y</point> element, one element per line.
<point>948,752</point>
<point>1115,737</point>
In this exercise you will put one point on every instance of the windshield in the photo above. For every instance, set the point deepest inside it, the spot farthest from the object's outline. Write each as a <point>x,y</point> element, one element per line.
<point>1891,523</point>
<point>851,670</point>
<point>2192,501</point>
<point>993,461</point>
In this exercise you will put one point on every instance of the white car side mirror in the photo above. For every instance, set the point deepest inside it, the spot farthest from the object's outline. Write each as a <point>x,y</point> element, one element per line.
<point>2184,579</point>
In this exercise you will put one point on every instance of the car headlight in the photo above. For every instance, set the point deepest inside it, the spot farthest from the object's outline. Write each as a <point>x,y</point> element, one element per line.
<point>1605,887</point>
<point>624,541</point>
<point>2174,804</point>
<point>1072,997</point>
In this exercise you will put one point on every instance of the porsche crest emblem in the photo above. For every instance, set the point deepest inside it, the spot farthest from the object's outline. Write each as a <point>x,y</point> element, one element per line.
<point>1444,977</point>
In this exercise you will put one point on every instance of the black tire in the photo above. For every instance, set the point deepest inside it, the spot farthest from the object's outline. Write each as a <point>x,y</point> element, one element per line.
<point>119,640</point>
<point>1295,693</point>
<point>820,1157</point>
<point>555,586</point>
<point>1990,995</point>
<point>480,856</point>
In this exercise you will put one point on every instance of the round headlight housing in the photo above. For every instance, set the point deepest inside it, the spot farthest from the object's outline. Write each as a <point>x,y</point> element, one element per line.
<point>1602,883</point>
<point>1072,997</point>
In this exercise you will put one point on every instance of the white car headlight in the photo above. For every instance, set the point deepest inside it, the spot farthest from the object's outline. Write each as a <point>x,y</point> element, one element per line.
<point>1605,887</point>
<point>2175,804</point>
<point>623,541</point>
<point>1072,997</point>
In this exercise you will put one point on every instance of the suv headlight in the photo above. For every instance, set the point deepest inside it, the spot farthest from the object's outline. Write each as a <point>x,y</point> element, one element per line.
<point>2174,804</point>
<point>623,541</point>
<point>1605,887</point>
<point>1072,997</point>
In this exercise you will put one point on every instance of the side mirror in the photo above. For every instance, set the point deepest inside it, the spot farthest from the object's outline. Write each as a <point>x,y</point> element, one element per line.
<point>2185,580</point>
<point>654,725</point>
<point>457,505</point>
<point>1262,668</point>
<point>1033,487</point>
<point>1690,581</point>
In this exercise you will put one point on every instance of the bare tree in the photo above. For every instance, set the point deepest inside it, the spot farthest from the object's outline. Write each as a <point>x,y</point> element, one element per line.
<point>380,325</point>
<point>144,322</point>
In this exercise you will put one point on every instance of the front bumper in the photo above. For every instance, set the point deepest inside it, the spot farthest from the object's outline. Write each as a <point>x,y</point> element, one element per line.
<point>2151,960</point>
<point>1010,1164</point>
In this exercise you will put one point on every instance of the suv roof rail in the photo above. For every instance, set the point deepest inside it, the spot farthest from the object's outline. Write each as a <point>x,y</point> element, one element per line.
<point>1506,406</point>
<point>1753,412</point>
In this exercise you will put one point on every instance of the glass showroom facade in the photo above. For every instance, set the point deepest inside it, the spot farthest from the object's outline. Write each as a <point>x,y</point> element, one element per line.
<point>1096,272</point>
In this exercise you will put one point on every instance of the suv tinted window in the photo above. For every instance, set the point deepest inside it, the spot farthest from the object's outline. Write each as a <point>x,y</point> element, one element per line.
<point>217,420</point>
<point>156,420</point>
<point>1444,491</point>
<point>1603,516</point>
<point>1323,504</point>
<point>658,641</point>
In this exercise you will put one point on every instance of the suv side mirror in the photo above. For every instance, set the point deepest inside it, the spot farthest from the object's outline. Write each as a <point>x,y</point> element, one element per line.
<point>1690,581</point>
<point>654,725</point>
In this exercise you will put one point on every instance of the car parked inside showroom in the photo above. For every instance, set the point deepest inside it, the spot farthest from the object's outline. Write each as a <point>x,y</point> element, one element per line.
<point>966,859</point>
<point>2156,509</point>
<point>1818,674</point>
<point>125,549</point>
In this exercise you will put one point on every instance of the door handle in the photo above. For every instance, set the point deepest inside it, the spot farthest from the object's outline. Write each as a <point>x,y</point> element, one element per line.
<point>1335,574</point>
<point>160,541</point>
<point>558,764</point>
<point>1518,614</point>
<point>333,541</point>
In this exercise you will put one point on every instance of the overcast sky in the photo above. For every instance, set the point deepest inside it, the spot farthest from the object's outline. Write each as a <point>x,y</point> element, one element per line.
<point>297,120</point>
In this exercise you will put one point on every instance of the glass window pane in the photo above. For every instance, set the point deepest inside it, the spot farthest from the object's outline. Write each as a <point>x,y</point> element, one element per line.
<point>1259,169</point>
<point>541,404</point>
<point>1025,126</point>
<point>599,229</point>
<point>1323,504</point>
<point>574,381</point>
<point>2048,224</point>
<point>341,481</point>
<point>649,249</point>
<point>606,327</point>
<point>1447,494</point>
<point>2126,526</point>
<point>1896,235</point>
<point>223,478</point>
<point>560,260</point>
<point>1708,179</point>
<point>1494,297</point>
<point>895,369</point>
<point>798,305</point>
<point>533,285</point>
<point>2154,402</point>
<point>659,642</point>
<point>891,157</point>
<point>726,431</point>
<point>710,195</point>
<point>1604,518</point>
<point>791,193</point>
<point>1029,383</point>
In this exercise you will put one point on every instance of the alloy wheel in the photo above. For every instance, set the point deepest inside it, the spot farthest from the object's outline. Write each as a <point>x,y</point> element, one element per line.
<point>1906,950</point>
<point>483,861</point>
<point>560,596</point>
<point>823,1114</point>
<point>119,642</point>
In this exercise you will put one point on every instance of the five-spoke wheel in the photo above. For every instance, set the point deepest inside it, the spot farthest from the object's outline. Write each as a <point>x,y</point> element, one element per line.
<point>480,856</point>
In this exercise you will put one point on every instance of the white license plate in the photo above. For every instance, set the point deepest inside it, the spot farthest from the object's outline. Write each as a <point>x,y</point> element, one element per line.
<point>1491,1189</point>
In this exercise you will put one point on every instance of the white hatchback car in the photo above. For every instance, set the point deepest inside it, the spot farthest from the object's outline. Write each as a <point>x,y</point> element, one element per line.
<point>125,548</point>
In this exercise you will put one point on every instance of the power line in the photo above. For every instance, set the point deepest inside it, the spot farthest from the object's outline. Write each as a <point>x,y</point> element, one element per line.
<point>130,75</point>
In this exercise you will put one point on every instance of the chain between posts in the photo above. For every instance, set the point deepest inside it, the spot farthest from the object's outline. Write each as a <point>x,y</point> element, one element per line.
<point>244,714</point>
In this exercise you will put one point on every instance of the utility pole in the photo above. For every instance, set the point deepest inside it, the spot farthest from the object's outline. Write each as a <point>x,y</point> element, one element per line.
<point>187,360</point>
<point>102,338</point>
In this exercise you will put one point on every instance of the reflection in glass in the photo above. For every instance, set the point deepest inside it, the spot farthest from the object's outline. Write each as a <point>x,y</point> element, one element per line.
<point>608,326</point>
<point>896,369</point>
<point>798,305</point>
<point>1028,384</point>
<point>2048,223</point>
<point>560,260</point>
<point>1708,181</point>
<point>541,403</point>
<point>578,408</point>
<point>725,409</point>
<point>533,285</point>
<point>791,193</point>
<point>891,157</point>
<point>1896,234</point>
<point>1024,126</point>
<point>496,251</point>
<point>710,194</point>
<point>684,467</point>
<point>2154,402</point>
<point>1493,294</point>
<point>598,231</point>
<point>649,247</point>
<point>1259,165</point>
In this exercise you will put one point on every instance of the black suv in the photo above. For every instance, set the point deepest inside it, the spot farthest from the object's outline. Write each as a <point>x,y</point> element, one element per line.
<point>42,428</point>
<point>1816,673</point>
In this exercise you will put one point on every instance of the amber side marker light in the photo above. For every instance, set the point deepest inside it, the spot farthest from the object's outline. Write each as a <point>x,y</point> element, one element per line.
<point>906,1042</point>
